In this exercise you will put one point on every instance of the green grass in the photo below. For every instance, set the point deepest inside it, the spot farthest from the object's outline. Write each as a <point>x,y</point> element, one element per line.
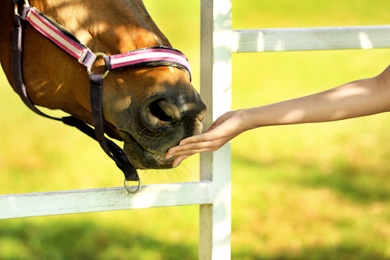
<point>315,191</point>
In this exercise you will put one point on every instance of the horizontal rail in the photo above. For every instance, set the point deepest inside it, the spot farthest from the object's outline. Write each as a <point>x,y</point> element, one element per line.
<point>104,199</point>
<point>320,38</point>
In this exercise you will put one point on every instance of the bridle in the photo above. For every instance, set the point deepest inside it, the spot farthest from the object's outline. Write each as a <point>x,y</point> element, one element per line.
<point>147,57</point>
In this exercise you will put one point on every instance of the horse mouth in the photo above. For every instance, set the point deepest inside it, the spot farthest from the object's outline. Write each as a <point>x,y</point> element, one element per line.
<point>144,158</point>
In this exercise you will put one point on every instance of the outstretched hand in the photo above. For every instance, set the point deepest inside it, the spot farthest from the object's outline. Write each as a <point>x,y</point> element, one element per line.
<point>354,99</point>
<point>225,128</point>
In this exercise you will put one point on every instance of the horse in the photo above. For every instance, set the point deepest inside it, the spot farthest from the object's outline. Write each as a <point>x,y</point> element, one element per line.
<point>148,107</point>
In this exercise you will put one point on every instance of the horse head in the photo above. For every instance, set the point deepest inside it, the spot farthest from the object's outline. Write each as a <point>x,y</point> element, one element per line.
<point>150,109</point>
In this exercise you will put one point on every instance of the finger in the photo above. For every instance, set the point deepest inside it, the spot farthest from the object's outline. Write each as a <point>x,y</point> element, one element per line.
<point>191,149</point>
<point>195,139</point>
<point>180,156</point>
<point>180,151</point>
<point>188,144</point>
<point>178,160</point>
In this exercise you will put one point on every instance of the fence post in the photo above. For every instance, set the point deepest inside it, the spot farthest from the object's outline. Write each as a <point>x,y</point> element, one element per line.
<point>215,218</point>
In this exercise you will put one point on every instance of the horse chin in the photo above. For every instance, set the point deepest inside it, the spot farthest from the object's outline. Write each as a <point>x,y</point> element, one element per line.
<point>149,152</point>
<point>143,158</point>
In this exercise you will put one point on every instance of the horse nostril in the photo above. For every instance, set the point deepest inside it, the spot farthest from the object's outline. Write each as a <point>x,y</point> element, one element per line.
<point>171,114</point>
<point>164,111</point>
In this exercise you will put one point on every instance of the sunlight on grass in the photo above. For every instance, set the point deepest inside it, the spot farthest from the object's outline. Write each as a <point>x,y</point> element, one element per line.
<point>316,191</point>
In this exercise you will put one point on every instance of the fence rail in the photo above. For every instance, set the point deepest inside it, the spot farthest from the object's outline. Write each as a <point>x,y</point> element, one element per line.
<point>303,39</point>
<point>104,199</point>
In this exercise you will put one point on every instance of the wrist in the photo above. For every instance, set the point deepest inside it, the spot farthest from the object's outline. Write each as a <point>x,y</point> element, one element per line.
<point>247,119</point>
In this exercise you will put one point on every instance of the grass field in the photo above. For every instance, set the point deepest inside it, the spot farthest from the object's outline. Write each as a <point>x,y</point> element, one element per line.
<point>315,191</point>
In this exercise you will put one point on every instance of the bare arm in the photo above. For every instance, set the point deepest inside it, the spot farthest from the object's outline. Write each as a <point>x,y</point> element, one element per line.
<point>355,99</point>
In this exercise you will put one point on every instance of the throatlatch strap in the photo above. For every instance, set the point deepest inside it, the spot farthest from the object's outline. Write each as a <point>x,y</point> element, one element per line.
<point>113,151</point>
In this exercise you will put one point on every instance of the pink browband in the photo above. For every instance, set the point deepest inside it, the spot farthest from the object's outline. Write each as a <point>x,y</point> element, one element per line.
<point>155,56</point>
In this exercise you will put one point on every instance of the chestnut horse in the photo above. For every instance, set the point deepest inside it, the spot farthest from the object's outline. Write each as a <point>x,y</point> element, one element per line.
<point>149,108</point>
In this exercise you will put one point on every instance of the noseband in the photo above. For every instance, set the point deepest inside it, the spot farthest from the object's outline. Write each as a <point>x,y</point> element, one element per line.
<point>148,57</point>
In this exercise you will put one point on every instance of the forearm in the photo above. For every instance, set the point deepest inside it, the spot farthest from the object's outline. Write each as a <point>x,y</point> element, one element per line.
<point>354,99</point>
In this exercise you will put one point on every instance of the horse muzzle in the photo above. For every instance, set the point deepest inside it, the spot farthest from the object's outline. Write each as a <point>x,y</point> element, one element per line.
<point>166,118</point>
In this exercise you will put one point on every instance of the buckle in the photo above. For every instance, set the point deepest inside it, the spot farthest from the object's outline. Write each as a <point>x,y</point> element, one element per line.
<point>83,55</point>
<point>102,55</point>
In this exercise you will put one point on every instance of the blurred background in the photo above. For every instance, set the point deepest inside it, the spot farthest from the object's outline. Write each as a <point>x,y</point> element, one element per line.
<point>315,191</point>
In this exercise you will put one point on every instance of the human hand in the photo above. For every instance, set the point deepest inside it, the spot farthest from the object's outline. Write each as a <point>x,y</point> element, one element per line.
<point>225,128</point>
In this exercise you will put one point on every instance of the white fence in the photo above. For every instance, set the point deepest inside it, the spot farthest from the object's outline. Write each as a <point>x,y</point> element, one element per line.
<point>213,192</point>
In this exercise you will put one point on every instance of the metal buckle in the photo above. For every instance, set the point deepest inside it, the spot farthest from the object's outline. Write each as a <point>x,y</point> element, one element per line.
<point>102,55</point>
<point>128,188</point>
<point>83,55</point>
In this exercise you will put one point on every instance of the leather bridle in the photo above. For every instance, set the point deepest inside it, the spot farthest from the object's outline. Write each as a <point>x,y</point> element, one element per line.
<point>154,56</point>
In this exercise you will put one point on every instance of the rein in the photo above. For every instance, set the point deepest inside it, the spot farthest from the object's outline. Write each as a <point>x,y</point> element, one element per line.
<point>150,57</point>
